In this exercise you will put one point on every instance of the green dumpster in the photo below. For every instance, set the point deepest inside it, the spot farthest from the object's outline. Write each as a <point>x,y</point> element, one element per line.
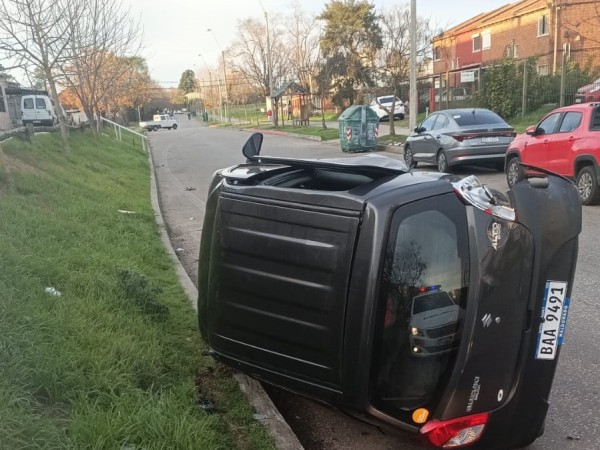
<point>358,127</point>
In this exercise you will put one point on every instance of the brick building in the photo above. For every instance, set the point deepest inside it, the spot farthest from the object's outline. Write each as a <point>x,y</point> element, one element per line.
<point>546,29</point>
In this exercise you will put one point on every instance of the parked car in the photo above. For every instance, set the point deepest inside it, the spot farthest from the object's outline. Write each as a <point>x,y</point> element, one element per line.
<point>380,104</point>
<point>588,93</point>
<point>566,141</point>
<point>459,136</point>
<point>309,270</point>
<point>160,121</point>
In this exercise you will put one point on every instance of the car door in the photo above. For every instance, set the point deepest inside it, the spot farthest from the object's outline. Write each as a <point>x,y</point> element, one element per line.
<point>536,149</point>
<point>560,144</point>
<point>421,142</point>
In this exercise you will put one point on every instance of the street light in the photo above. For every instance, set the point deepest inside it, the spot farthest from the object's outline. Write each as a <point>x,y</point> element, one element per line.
<point>224,73</point>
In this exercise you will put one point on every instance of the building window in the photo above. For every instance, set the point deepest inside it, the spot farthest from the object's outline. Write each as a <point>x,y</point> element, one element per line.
<point>486,40</point>
<point>515,51</point>
<point>437,53</point>
<point>476,43</point>
<point>543,26</point>
<point>511,51</point>
<point>542,69</point>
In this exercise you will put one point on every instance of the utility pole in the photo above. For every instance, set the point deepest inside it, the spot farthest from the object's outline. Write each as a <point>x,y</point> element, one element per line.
<point>412,113</point>
<point>270,67</point>
<point>224,74</point>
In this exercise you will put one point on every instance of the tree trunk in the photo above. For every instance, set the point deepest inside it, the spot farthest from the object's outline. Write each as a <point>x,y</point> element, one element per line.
<point>64,131</point>
<point>391,117</point>
<point>323,113</point>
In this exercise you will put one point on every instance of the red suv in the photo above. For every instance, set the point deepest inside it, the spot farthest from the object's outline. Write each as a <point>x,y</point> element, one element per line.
<point>566,142</point>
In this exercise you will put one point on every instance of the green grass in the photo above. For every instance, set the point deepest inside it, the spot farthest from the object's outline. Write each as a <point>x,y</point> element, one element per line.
<point>391,139</point>
<point>116,360</point>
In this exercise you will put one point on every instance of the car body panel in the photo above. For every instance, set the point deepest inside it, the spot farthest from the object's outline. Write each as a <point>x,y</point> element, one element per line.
<point>386,101</point>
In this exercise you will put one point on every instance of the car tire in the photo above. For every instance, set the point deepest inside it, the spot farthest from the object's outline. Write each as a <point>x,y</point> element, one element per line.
<point>587,185</point>
<point>174,126</point>
<point>401,116</point>
<point>442,162</point>
<point>514,171</point>
<point>408,158</point>
<point>155,127</point>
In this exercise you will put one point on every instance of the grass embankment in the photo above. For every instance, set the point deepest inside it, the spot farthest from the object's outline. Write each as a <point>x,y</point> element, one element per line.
<point>115,361</point>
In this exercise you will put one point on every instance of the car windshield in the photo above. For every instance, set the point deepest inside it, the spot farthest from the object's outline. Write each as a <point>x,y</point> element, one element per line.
<point>431,301</point>
<point>427,248</point>
<point>477,117</point>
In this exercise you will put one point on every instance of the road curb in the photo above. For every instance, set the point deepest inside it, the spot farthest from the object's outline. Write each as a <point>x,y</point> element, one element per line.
<point>266,412</point>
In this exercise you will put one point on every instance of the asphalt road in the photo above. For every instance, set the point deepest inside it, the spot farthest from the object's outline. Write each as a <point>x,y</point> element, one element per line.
<point>186,158</point>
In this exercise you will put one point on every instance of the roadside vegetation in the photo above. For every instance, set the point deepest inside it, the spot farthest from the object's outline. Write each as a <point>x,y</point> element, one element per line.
<point>99,346</point>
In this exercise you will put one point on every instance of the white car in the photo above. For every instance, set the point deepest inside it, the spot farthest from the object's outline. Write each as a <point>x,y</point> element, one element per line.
<point>433,323</point>
<point>380,104</point>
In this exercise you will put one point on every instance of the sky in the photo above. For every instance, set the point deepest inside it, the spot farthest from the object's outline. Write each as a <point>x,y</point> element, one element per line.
<point>175,31</point>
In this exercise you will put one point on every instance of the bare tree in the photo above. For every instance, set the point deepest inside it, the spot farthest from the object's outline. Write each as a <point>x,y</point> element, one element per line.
<point>100,51</point>
<point>393,59</point>
<point>304,32</point>
<point>35,34</point>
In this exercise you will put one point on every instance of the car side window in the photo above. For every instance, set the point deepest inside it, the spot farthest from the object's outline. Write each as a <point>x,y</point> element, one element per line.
<point>429,122</point>
<point>548,125</point>
<point>595,125</point>
<point>442,122</point>
<point>570,122</point>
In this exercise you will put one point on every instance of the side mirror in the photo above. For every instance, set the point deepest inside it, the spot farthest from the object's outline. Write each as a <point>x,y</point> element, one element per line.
<point>251,148</point>
<point>419,129</point>
<point>530,130</point>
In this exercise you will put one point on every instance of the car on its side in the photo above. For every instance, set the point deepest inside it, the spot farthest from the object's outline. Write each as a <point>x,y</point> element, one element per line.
<point>383,107</point>
<point>588,93</point>
<point>309,270</point>
<point>453,137</point>
<point>567,142</point>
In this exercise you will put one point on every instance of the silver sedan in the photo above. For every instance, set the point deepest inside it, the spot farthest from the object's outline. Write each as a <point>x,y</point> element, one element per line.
<point>452,137</point>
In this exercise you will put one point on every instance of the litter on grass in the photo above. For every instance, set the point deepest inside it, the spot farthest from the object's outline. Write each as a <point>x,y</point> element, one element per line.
<point>52,291</point>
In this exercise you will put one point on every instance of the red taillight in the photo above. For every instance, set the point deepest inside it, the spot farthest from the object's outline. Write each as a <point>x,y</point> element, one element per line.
<point>455,433</point>
<point>461,137</point>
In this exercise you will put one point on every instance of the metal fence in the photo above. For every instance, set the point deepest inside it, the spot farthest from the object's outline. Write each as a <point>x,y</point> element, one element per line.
<point>134,135</point>
<point>512,88</point>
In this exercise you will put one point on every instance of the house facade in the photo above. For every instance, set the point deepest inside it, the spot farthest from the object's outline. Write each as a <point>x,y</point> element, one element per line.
<point>545,29</point>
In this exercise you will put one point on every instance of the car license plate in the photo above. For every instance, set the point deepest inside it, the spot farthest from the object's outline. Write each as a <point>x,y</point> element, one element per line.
<point>554,320</point>
<point>490,139</point>
<point>577,100</point>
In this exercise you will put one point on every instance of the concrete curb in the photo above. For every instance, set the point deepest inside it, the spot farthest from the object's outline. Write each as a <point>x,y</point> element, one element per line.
<point>284,133</point>
<point>266,412</point>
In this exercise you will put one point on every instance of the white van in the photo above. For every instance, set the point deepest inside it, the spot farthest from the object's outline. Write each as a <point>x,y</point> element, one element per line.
<point>38,110</point>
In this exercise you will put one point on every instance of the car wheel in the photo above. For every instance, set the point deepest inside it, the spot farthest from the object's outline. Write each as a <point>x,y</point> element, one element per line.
<point>155,127</point>
<point>442,162</point>
<point>408,158</point>
<point>401,116</point>
<point>175,126</point>
<point>514,171</point>
<point>587,185</point>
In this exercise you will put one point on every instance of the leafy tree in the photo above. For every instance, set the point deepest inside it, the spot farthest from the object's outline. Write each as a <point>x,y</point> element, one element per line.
<point>352,34</point>
<point>188,83</point>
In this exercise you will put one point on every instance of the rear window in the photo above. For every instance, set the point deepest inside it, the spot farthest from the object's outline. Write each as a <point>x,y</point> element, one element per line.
<point>477,117</point>
<point>40,103</point>
<point>28,103</point>
<point>426,267</point>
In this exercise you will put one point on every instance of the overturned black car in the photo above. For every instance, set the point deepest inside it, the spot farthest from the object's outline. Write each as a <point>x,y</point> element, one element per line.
<point>420,300</point>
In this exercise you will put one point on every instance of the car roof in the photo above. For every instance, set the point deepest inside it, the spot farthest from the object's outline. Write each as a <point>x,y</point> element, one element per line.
<point>577,107</point>
<point>463,110</point>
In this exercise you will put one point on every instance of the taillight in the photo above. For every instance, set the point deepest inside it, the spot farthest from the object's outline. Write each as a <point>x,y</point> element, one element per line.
<point>461,137</point>
<point>455,433</point>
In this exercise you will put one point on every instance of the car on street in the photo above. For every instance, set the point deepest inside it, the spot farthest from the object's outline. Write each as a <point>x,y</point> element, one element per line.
<point>453,137</point>
<point>567,142</point>
<point>317,275</point>
<point>160,121</point>
<point>383,107</point>
<point>588,93</point>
